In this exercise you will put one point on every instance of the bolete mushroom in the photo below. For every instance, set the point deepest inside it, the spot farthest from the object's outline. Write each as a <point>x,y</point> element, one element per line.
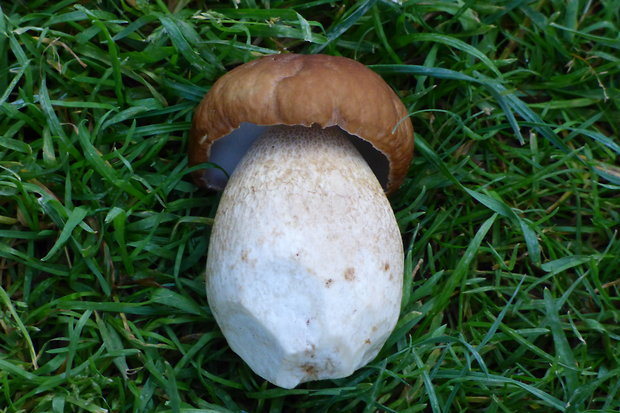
<point>305,261</point>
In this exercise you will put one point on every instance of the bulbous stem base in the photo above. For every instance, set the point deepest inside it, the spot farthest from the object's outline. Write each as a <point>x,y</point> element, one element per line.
<point>304,271</point>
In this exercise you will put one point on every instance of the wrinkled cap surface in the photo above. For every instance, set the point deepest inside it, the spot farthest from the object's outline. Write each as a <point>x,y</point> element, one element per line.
<point>292,89</point>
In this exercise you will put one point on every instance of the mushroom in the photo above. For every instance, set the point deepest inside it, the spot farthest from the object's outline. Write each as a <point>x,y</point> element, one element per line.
<point>305,260</point>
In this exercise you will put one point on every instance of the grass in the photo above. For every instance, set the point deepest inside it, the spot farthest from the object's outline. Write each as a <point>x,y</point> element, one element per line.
<point>510,213</point>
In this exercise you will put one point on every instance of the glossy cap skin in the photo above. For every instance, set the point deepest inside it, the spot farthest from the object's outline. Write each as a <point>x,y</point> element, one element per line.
<point>306,90</point>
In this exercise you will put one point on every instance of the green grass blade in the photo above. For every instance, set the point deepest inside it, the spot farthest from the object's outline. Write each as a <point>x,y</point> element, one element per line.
<point>347,22</point>
<point>6,301</point>
<point>462,268</point>
<point>566,361</point>
<point>75,218</point>
<point>452,42</point>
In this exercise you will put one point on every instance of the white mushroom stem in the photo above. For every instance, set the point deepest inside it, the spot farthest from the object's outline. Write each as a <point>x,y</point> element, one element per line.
<point>304,271</point>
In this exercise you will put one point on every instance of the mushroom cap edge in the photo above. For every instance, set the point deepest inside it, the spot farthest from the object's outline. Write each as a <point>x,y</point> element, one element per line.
<point>290,89</point>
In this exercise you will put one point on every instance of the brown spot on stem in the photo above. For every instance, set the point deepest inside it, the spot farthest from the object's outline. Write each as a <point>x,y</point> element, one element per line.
<point>310,369</point>
<point>311,352</point>
<point>349,274</point>
<point>386,266</point>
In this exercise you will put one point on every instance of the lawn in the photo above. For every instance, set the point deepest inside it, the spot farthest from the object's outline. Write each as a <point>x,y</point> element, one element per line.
<point>509,214</point>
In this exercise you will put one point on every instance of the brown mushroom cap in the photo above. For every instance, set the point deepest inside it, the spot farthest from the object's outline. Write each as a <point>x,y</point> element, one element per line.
<point>292,89</point>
